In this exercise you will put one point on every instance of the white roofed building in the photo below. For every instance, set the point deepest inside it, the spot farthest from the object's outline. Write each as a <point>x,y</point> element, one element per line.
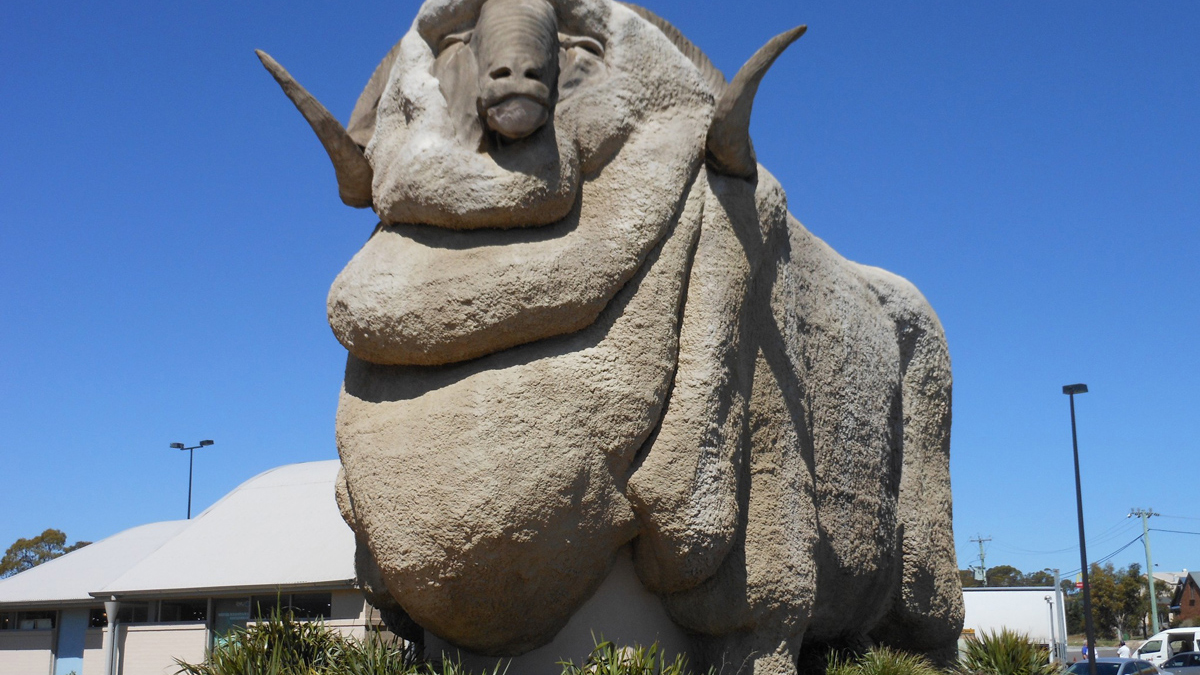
<point>276,539</point>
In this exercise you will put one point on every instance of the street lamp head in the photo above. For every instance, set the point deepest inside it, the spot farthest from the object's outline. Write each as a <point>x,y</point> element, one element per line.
<point>177,446</point>
<point>1075,389</point>
<point>204,443</point>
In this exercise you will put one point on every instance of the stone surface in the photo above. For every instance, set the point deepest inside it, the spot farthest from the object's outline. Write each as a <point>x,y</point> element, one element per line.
<point>621,611</point>
<point>588,324</point>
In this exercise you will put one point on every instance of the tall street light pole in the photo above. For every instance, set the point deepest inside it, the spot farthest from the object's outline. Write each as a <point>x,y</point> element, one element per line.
<point>1071,390</point>
<point>191,454</point>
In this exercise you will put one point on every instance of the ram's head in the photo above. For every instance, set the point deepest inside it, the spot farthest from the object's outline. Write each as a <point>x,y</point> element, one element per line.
<point>506,115</point>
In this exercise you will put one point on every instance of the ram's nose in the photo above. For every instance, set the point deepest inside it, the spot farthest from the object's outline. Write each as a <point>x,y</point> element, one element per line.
<point>516,43</point>
<point>516,109</point>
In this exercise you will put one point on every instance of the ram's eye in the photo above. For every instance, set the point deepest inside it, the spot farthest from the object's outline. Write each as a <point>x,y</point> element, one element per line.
<point>454,39</point>
<point>582,41</point>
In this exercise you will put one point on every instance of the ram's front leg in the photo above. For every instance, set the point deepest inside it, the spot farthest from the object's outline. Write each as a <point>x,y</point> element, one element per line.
<point>749,653</point>
<point>684,486</point>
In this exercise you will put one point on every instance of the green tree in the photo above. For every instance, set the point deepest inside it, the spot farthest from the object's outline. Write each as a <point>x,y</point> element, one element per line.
<point>1118,598</point>
<point>1040,578</point>
<point>1008,576</point>
<point>1074,610</point>
<point>28,553</point>
<point>1005,575</point>
<point>1102,581</point>
<point>1132,602</point>
<point>1067,586</point>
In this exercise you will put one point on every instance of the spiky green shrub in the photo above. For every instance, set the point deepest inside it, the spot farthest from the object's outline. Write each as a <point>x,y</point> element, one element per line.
<point>608,659</point>
<point>454,666</point>
<point>880,661</point>
<point>281,645</point>
<point>374,655</point>
<point>1006,653</point>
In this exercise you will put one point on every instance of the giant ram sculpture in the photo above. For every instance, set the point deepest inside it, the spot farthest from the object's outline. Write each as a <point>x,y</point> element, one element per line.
<point>587,320</point>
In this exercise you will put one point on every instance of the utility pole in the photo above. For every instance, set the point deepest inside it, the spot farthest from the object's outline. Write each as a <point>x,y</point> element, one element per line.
<point>979,539</point>
<point>1145,515</point>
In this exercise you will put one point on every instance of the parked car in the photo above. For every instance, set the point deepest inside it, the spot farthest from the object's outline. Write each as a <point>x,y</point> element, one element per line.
<point>1187,663</point>
<point>1168,643</point>
<point>1115,666</point>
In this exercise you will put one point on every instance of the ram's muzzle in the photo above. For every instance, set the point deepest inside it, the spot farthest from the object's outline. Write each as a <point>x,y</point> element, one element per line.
<point>516,49</point>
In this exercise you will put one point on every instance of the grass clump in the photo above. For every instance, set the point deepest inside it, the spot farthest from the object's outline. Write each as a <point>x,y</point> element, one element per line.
<point>608,659</point>
<point>1006,653</point>
<point>881,661</point>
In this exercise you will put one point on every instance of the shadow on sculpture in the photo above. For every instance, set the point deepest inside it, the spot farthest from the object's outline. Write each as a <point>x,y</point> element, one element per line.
<point>587,320</point>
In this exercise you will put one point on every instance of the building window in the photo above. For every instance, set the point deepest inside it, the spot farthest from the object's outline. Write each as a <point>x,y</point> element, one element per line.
<point>299,605</point>
<point>97,618</point>
<point>264,605</point>
<point>312,605</point>
<point>133,612</point>
<point>36,620</point>
<point>229,613</point>
<point>183,610</point>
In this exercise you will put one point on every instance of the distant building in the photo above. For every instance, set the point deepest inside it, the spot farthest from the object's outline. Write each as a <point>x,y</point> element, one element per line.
<point>1185,604</point>
<point>1169,578</point>
<point>1037,612</point>
<point>173,586</point>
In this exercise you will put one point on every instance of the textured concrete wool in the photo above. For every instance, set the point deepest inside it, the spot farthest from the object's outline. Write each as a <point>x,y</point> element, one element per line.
<point>603,329</point>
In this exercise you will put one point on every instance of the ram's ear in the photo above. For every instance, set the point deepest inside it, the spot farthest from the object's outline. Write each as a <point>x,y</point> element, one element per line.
<point>354,173</point>
<point>362,121</point>
<point>730,151</point>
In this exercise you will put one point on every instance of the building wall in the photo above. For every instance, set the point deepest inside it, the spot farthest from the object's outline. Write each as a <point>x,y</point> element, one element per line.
<point>151,648</point>
<point>26,652</point>
<point>347,605</point>
<point>72,630</point>
<point>1031,611</point>
<point>93,652</point>
<point>143,648</point>
<point>1189,602</point>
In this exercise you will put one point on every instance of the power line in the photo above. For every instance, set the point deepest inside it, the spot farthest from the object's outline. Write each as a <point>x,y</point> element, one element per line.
<point>1018,549</point>
<point>1179,517</point>
<point>1108,557</point>
<point>1120,529</point>
<point>1113,532</point>
<point>1114,554</point>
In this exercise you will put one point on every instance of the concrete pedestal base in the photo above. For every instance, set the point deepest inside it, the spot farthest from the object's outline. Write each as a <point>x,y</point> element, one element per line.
<point>621,611</point>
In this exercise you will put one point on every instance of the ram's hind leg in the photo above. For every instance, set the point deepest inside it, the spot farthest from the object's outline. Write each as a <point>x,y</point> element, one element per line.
<point>926,613</point>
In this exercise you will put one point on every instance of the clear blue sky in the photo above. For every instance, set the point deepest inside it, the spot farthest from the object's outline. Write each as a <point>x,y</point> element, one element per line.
<point>171,227</point>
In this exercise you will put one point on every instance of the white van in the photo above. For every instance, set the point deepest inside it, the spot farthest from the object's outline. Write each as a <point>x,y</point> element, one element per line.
<point>1164,645</point>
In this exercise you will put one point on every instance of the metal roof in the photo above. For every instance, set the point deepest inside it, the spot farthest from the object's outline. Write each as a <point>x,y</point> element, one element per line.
<point>69,578</point>
<point>280,528</point>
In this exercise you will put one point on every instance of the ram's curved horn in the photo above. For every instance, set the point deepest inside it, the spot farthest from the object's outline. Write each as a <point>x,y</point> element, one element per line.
<point>729,149</point>
<point>353,171</point>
